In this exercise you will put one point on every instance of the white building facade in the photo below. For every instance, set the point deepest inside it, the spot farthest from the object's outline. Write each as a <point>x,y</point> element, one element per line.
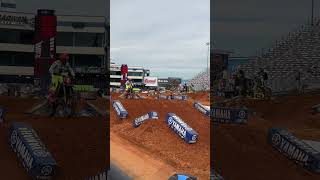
<point>84,38</point>
<point>135,73</point>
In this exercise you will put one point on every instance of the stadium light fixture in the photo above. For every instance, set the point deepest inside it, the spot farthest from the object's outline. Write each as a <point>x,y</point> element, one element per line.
<point>208,44</point>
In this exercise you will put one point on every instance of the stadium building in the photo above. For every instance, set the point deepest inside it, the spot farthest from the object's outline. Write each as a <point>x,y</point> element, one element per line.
<point>84,38</point>
<point>135,73</point>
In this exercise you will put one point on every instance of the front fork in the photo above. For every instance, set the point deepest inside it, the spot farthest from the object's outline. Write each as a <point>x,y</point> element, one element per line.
<point>65,94</point>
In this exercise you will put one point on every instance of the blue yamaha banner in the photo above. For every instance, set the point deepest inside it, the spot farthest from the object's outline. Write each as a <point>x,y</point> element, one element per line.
<point>229,115</point>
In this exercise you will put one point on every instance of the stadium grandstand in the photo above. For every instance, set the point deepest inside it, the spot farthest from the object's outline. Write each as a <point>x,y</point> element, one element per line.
<point>297,54</point>
<point>201,82</point>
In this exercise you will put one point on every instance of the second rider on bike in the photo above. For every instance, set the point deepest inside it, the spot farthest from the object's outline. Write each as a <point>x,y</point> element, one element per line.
<point>59,70</point>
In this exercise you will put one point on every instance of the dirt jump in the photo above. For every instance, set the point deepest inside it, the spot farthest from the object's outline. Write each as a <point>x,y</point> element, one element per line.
<point>241,152</point>
<point>153,150</point>
<point>77,144</point>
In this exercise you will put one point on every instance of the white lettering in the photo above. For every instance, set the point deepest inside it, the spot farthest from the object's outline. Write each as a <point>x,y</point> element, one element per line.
<point>292,151</point>
<point>221,113</point>
<point>181,132</point>
<point>38,49</point>
<point>22,152</point>
<point>33,141</point>
<point>14,20</point>
<point>183,124</point>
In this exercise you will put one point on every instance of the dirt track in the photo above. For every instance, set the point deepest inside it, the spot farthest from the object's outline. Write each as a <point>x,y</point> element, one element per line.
<point>77,144</point>
<point>136,162</point>
<point>202,97</point>
<point>155,140</point>
<point>242,152</point>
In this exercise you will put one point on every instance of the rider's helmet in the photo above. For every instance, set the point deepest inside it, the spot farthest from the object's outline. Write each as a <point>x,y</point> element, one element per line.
<point>127,81</point>
<point>64,57</point>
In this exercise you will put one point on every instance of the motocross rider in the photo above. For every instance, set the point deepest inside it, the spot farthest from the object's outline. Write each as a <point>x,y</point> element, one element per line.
<point>129,86</point>
<point>57,70</point>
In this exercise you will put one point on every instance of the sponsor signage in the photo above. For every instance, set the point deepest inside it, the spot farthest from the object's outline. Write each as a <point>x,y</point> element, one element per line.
<point>138,121</point>
<point>32,153</point>
<point>163,96</point>
<point>124,74</point>
<point>120,110</point>
<point>294,148</point>
<point>181,128</point>
<point>44,45</point>
<point>180,97</point>
<point>202,108</point>
<point>7,19</point>
<point>150,81</point>
<point>229,115</point>
<point>45,48</point>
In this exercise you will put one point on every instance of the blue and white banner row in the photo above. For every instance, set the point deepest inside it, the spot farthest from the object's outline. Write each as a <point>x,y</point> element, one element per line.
<point>162,96</point>
<point>120,110</point>
<point>295,149</point>
<point>183,97</point>
<point>138,121</point>
<point>32,153</point>
<point>181,128</point>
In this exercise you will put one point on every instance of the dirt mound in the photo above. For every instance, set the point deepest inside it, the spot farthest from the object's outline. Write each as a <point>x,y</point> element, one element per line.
<point>155,137</point>
<point>242,152</point>
<point>76,143</point>
<point>290,111</point>
<point>199,95</point>
<point>202,97</point>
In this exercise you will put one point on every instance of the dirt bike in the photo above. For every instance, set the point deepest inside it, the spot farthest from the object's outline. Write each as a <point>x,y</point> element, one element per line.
<point>65,98</point>
<point>131,94</point>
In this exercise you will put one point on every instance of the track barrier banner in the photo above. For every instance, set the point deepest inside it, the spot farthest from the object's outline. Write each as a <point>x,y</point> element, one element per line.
<point>202,108</point>
<point>32,153</point>
<point>181,128</point>
<point>138,121</point>
<point>294,148</point>
<point>120,110</point>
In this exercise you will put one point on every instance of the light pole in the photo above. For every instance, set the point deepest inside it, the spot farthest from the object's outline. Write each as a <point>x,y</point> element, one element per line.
<point>208,44</point>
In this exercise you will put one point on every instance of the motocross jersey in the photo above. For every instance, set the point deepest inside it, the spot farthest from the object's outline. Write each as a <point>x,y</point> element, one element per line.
<point>57,68</point>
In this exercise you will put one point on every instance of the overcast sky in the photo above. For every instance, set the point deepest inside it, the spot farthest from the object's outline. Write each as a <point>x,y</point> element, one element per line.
<point>247,25</point>
<point>70,7</point>
<point>169,37</point>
